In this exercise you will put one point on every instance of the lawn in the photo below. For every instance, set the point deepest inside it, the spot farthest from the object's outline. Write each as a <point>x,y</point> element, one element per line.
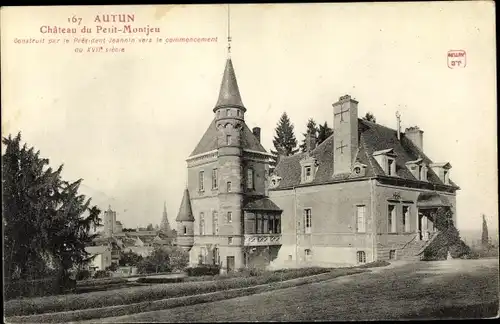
<point>133,295</point>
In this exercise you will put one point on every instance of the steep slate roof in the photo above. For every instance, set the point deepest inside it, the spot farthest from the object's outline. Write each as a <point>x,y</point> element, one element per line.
<point>185,212</point>
<point>372,137</point>
<point>209,140</point>
<point>260,203</point>
<point>229,94</point>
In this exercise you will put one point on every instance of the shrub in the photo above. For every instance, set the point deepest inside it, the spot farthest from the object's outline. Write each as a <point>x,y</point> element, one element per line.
<point>32,288</point>
<point>100,282</point>
<point>112,268</point>
<point>83,275</point>
<point>159,280</point>
<point>101,274</point>
<point>203,270</point>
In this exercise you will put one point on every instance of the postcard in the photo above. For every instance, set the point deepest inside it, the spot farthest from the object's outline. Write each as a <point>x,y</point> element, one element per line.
<point>249,162</point>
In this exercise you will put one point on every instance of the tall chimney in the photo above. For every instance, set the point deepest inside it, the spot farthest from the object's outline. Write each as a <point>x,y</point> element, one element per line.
<point>416,135</point>
<point>256,133</point>
<point>345,134</point>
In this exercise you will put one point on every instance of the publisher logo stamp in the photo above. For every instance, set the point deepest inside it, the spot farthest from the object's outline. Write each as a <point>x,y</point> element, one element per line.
<point>457,59</point>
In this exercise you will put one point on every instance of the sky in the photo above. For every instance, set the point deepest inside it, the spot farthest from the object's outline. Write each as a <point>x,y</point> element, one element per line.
<point>126,122</point>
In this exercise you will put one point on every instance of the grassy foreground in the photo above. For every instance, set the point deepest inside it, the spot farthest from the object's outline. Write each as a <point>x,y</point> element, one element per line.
<point>133,295</point>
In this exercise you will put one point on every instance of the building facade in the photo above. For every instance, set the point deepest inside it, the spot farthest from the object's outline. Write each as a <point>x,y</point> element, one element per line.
<point>366,193</point>
<point>225,216</point>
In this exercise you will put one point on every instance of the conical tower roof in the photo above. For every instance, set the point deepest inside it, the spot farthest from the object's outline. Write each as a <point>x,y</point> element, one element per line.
<point>229,94</point>
<point>165,225</point>
<point>185,212</point>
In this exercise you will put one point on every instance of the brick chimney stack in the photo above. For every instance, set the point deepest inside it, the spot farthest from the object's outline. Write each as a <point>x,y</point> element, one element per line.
<point>416,135</point>
<point>256,133</point>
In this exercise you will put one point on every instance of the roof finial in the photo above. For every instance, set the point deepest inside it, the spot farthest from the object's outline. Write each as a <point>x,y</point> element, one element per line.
<point>228,31</point>
<point>398,117</point>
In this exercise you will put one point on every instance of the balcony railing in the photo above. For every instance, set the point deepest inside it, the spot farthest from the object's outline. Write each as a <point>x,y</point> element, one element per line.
<point>262,239</point>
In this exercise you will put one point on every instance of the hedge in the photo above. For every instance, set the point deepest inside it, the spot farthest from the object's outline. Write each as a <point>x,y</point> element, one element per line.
<point>152,305</point>
<point>374,264</point>
<point>32,288</point>
<point>160,280</point>
<point>99,282</point>
<point>203,270</point>
<point>132,295</point>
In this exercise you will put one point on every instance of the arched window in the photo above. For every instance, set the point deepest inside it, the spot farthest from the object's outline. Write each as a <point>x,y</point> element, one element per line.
<point>361,256</point>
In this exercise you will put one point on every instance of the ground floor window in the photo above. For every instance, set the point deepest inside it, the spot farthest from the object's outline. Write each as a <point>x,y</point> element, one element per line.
<point>392,254</point>
<point>308,254</point>
<point>361,256</point>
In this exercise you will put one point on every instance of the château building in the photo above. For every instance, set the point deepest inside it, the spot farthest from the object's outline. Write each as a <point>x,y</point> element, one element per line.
<point>366,193</point>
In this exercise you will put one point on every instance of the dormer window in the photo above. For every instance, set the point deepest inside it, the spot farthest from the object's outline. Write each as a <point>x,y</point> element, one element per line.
<point>308,173</point>
<point>391,167</point>
<point>275,181</point>
<point>442,170</point>
<point>387,160</point>
<point>309,167</point>
<point>418,169</point>
<point>358,169</point>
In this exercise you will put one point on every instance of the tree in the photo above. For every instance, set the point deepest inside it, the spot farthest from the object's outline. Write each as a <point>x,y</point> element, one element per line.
<point>158,261</point>
<point>46,222</point>
<point>484,236</point>
<point>311,128</point>
<point>164,259</point>
<point>179,258</point>
<point>149,227</point>
<point>324,131</point>
<point>129,258</point>
<point>370,117</point>
<point>284,141</point>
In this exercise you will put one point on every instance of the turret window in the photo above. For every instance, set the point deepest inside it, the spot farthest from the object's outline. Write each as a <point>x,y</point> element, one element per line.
<point>201,180</point>
<point>229,186</point>
<point>185,230</point>
<point>202,223</point>
<point>228,139</point>
<point>238,113</point>
<point>228,112</point>
<point>250,179</point>
<point>215,225</point>
<point>214,179</point>
<point>229,217</point>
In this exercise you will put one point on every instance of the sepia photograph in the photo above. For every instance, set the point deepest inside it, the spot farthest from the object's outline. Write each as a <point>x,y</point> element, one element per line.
<point>249,162</point>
